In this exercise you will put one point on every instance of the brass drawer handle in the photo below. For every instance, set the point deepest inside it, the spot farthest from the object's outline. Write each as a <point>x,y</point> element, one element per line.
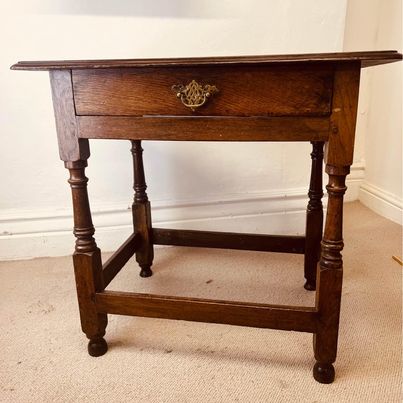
<point>194,95</point>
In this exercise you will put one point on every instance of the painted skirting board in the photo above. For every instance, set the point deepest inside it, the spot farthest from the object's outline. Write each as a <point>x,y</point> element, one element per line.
<point>382,202</point>
<point>35,233</point>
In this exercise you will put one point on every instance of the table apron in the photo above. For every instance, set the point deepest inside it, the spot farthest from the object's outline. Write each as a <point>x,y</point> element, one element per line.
<point>204,128</point>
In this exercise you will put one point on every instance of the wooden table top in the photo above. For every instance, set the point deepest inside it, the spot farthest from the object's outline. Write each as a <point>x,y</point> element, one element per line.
<point>366,58</point>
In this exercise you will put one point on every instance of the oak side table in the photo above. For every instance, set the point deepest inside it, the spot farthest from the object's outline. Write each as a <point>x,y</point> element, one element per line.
<point>308,97</point>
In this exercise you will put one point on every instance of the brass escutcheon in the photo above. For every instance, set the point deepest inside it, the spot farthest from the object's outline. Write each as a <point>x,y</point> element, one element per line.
<point>194,95</point>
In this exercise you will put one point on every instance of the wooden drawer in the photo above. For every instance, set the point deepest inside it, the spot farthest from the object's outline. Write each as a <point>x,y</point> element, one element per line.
<point>251,90</point>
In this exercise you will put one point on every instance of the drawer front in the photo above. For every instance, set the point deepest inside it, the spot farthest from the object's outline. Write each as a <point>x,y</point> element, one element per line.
<point>256,90</point>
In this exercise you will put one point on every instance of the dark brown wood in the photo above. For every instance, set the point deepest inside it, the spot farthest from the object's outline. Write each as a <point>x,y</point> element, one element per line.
<point>243,90</point>
<point>328,295</point>
<point>229,240</point>
<point>71,148</point>
<point>314,217</point>
<point>141,212</point>
<point>340,146</point>
<point>87,262</point>
<point>116,262</point>
<point>338,156</point>
<point>252,90</point>
<point>366,59</point>
<point>303,319</point>
<point>204,128</point>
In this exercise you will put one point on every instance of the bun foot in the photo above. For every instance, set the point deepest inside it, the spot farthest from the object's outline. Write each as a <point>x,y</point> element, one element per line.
<point>146,271</point>
<point>323,373</point>
<point>309,286</point>
<point>97,347</point>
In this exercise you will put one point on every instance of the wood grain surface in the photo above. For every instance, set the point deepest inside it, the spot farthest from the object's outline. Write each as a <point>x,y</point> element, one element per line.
<point>303,319</point>
<point>204,128</point>
<point>339,149</point>
<point>229,240</point>
<point>70,147</point>
<point>369,58</point>
<point>263,90</point>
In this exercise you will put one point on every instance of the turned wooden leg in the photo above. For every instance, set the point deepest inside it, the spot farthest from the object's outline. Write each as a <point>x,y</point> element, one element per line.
<point>314,217</point>
<point>87,262</point>
<point>330,276</point>
<point>141,212</point>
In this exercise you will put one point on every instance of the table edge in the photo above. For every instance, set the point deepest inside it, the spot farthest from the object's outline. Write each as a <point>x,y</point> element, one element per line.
<point>367,59</point>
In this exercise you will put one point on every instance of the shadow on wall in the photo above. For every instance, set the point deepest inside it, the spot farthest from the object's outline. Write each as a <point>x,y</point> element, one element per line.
<point>140,8</point>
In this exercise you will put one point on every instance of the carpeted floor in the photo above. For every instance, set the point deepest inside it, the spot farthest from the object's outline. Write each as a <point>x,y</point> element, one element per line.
<point>43,352</point>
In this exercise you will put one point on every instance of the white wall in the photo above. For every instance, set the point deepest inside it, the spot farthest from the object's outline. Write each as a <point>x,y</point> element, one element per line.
<point>377,25</point>
<point>242,187</point>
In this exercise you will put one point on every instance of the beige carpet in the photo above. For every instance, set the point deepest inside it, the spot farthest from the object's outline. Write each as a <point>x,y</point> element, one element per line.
<point>43,352</point>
